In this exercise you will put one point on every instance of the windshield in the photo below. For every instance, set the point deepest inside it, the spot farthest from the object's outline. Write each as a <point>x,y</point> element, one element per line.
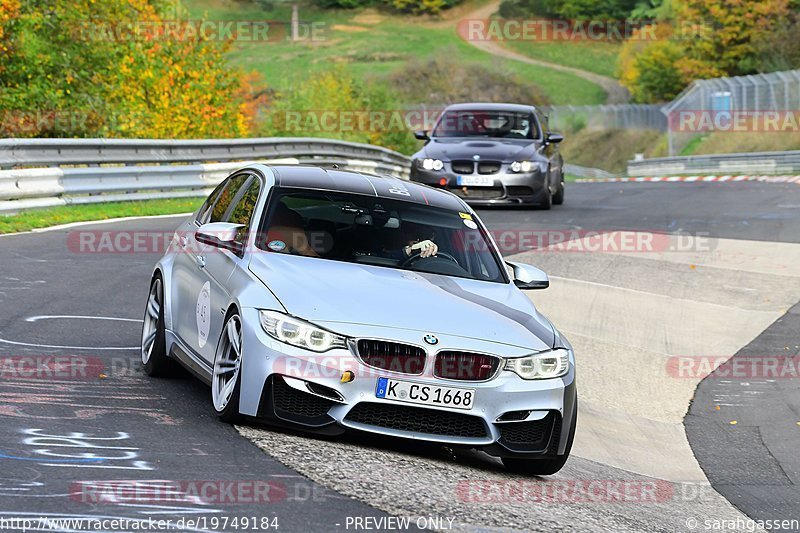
<point>378,231</point>
<point>504,124</point>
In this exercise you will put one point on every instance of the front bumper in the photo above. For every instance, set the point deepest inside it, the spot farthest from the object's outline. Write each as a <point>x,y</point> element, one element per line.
<point>313,398</point>
<point>508,188</point>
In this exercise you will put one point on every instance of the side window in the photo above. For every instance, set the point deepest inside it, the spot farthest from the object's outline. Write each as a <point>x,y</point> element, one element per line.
<point>205,210</point>
<point>226,197</point>
<point>242,211</point>
<point>540,124</point>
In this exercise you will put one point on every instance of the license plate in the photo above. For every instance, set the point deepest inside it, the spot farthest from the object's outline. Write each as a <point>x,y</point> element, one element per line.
<point>421,393</point>
<point>475,181</point>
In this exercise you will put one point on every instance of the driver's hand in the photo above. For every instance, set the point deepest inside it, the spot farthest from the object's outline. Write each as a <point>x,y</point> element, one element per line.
<point>426,248</point>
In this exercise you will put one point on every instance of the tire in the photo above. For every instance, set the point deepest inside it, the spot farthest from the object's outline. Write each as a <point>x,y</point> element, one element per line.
<point>558,197</point>
<point>226,377</point>
<point>547,466</point>
<point>545,199</point>
<point>155,361</point>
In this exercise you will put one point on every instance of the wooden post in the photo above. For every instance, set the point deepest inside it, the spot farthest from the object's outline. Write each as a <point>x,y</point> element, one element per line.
<point>295,24</point>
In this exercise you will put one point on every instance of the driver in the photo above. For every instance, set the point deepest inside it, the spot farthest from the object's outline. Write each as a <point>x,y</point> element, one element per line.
<point>413,242</point>
<point>426,248</point>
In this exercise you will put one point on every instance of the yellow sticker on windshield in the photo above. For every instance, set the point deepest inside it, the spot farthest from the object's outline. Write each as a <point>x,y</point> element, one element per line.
<point>465,216</point>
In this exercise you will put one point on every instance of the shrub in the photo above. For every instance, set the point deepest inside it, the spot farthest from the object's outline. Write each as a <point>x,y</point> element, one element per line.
<point>518,9</point>
<point>440,80</point>
<point>419,7</point>
<point>333,104</point>
<point>344,4</point>
<point>658,78</point>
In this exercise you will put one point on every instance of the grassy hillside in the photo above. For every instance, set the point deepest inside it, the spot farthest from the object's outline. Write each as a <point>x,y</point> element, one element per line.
<point>611,149</point>
<point>731,143</point>
<point>372,44</point>
<point>597,57</point>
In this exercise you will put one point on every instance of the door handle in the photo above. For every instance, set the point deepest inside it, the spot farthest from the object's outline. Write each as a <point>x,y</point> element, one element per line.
<point>201,261</point>
<point>184,240</point>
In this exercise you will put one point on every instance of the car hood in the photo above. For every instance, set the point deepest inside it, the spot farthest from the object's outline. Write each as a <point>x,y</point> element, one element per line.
<point>346,293</point>
<point>506,150</point>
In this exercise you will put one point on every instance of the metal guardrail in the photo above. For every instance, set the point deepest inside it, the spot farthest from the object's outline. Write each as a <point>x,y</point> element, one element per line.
<point>747,163</point>
<point>60,152</point>
<point>74,171</point>
<point>587,172</point>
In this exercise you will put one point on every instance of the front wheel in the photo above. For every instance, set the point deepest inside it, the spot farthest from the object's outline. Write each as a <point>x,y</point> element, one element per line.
<point>155,361</point>
<point>558,197</point>
<point>545,200</point>
<point>227,363</point>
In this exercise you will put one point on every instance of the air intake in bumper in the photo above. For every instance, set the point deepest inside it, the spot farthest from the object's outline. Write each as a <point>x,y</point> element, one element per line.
<point>292,405</point>
<point>532,435</point>
<point>417,420</point>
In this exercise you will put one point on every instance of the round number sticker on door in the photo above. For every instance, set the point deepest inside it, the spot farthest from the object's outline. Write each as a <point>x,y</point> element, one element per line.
<point>203,313</point>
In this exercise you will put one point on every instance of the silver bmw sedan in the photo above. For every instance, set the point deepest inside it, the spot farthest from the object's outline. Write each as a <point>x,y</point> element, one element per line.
<point>328,301</point>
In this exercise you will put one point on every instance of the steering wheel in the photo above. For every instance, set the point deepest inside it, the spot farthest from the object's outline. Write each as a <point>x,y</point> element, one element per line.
<point>417,255</point>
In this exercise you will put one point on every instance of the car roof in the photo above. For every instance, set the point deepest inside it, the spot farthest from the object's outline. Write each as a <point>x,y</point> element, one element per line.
<point>478,106</point>
<point>311,177</point>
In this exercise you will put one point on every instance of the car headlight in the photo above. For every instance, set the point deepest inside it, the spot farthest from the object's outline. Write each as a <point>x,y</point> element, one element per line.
<point>432,164</point>
<point>299,333</point>
<point>544,365</point>
<point>527,166</point>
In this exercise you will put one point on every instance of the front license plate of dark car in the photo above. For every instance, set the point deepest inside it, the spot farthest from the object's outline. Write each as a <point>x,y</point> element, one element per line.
<point>424,393</point>
<point>475,181</point>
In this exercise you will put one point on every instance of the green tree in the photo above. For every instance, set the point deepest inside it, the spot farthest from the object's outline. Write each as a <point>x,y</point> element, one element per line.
<point>87,68</point>
<point>722,35</point>
<point>659,79</point>
<point>704,39</point>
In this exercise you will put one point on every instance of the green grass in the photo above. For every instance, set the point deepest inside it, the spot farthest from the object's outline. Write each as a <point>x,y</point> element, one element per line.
<point>372,45</point>
<point>597,57</point>
<point>53,216</point>
<point>723,142</point>
<point>692,146</point>
<point>609,150</point>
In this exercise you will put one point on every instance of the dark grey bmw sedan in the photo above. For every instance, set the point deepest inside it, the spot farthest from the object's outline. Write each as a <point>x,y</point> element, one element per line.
<point>492,154</point>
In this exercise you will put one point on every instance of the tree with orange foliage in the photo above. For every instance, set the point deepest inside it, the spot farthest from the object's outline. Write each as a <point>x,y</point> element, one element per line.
<point>9,11</point>
<point>87,68</point>
<point>721,36</point>
<point>701,39</point>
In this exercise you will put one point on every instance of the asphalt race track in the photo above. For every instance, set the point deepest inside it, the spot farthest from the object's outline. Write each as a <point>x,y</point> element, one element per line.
<point>724,282</point>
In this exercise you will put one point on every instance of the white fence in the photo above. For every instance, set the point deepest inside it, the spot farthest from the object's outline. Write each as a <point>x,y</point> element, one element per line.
<point>720,99</point>
<point>613,116</point>
<point>714,98</point>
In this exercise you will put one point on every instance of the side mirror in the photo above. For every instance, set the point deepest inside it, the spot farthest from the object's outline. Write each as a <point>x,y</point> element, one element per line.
<point>220,235</point>
<point>422,135</point>
<point>554,138</point>
<point>528,277</point>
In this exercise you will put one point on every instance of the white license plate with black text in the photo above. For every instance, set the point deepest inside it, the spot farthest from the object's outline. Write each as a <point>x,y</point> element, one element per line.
<point>475,181</point>
<point>425,394</point>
